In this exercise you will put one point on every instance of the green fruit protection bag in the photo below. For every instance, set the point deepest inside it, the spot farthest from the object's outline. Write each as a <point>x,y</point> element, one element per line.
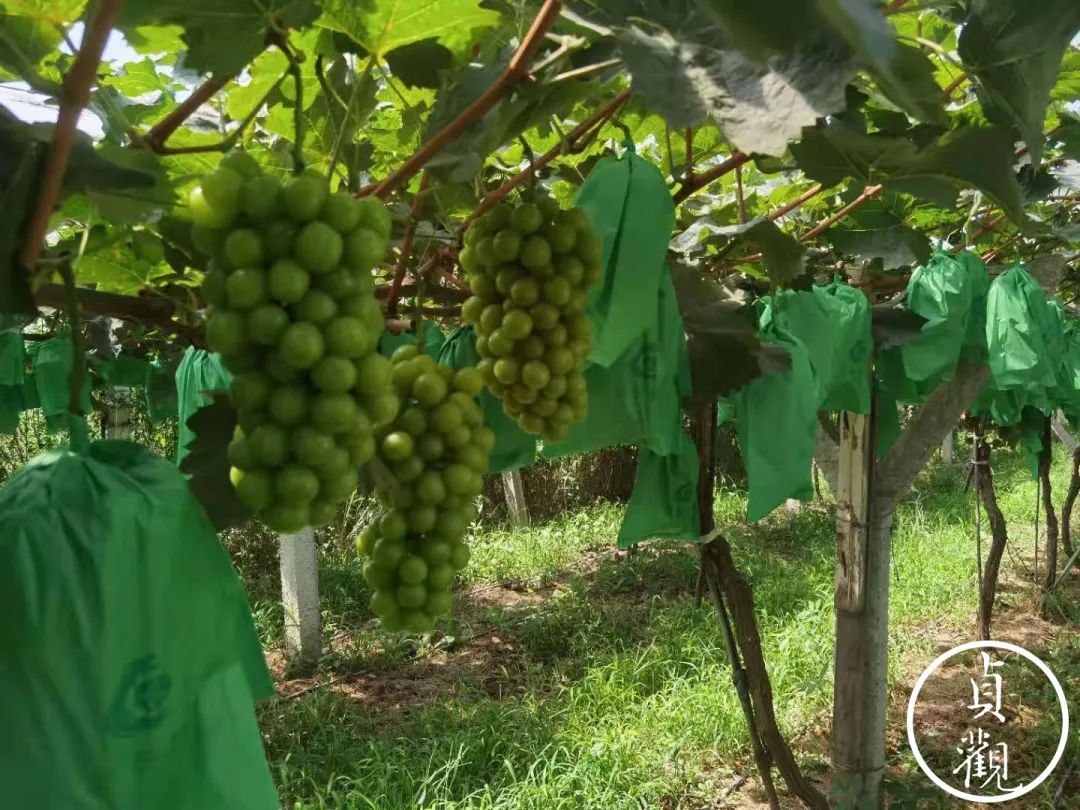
<point>514,448</point>
<point>776,418</point>
<point>630,208</point>
<point>826,330</point>
<point>639,366</point>
<point>124,371</point>
<point>950,292</point>
<point>1031,346</point>
<point>11,380</point>
<point>162,402</point>
<point>131,661</point>
<point>198,376</point>
<point>52,378</point>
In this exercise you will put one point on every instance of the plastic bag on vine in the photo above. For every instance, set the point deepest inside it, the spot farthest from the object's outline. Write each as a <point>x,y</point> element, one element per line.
<point>52,378</point>
<point>199,374</point>
<point>131,661</point>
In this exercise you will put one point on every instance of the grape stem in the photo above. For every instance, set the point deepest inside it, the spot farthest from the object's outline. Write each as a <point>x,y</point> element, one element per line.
<point>298,108</point>
<point>76,94</point>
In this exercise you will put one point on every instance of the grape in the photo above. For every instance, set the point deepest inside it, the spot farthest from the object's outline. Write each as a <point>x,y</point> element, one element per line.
<point>298,326</point>
<point>529,267</point>
<point>436,449</point>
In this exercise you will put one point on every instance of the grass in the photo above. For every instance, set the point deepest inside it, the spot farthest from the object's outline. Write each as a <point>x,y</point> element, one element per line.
<point>576,677</point>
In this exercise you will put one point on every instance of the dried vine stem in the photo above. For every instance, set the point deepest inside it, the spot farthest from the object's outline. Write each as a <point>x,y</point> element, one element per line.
<point>77,84</point>
<point>566,145</point>
<point>517,69</point>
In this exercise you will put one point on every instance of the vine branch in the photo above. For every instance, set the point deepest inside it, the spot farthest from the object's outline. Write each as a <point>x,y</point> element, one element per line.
<point>516,70</point>
<point>76,94</point>
<point>154,312</point>
<point>159,133</point>
<point>406,246</point>
<point>700,180</point>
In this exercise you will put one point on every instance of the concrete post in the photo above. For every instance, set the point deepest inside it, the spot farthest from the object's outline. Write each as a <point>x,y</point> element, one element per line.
<point>515,499</point>
<point>300,594</point>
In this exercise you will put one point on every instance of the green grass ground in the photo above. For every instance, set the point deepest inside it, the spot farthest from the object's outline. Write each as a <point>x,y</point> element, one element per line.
<point>574,676</point>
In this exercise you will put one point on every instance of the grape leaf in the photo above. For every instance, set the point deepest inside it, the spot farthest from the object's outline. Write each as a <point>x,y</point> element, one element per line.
<point>784,259</point>
<point>1013,51</point>
<point>25,42</point>
<point>207,464</point>
<point>725,353</point>
<point>903,73</point>
<point>421,64</point>
<point>116,269</point>
<point>978,157</point>
<point>891,241</point>
<point>222,36</point>
<point>382,26</point>
<point>688,68</point>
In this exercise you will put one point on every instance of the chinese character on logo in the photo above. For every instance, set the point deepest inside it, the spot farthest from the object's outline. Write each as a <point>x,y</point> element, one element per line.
<point>990,687</point>
<point>984,761</point>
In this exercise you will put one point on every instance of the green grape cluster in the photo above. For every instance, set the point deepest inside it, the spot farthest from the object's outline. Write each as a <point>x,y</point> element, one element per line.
<point>292,311</point>
<point>434,456</point>
<point>529,267</point>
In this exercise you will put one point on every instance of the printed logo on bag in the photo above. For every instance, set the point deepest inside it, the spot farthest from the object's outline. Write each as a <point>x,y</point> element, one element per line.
<point>965,727</point>
<point>139,702</point>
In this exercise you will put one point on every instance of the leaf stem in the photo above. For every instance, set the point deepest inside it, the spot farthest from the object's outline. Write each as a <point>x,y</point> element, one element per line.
<point>78,357</point>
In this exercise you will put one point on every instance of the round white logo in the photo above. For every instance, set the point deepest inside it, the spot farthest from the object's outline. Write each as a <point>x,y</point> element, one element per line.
<point>986,759</point>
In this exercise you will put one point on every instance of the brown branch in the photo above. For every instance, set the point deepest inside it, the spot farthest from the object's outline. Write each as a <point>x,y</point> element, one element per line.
<point>516,70</point>
<point>159,133</point>
<point>951,86</point>
<point>77,83</point>
<point>156,312</point>
<point>992,254</point>
<point>869,193</point>
<point>788,207</point>
<point>406,246</point>
<point>895,6</point>
<point>699,181</point>
<point>567,145</point>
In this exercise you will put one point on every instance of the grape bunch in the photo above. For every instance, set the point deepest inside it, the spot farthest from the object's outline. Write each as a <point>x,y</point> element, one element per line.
<point>434,455</point>
<point>529,267</point>
<point>292,311</point>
